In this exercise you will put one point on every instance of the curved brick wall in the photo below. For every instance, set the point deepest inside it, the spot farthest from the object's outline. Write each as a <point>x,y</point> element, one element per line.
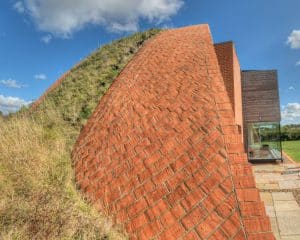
<point>162,155</point>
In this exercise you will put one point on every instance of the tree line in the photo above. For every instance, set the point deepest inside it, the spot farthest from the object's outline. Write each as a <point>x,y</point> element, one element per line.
<point>290,132</point>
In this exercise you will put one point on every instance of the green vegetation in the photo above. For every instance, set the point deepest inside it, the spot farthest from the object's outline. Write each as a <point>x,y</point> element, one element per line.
<point>292,148</point>
<point>290,136</point>
<point>38,195</point>
<point>290,132</point>
<point>79,93</point>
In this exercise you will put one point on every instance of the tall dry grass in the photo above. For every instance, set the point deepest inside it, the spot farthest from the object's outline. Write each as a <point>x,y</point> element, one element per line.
<point>38,198</point>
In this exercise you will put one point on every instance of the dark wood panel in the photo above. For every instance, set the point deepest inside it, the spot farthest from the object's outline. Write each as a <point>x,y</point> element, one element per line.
<point>260,96</point>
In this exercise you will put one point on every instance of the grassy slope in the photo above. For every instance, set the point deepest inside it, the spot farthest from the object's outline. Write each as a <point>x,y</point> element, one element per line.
<point>38,195</point>
<point>292,148</point>
<point>79,93</point>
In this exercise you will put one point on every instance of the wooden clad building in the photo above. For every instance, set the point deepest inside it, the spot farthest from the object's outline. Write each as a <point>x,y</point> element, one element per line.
<point>261,114</point>
<point>260,96</point>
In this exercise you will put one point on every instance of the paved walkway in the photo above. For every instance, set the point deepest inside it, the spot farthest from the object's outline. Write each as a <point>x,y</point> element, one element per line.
<point>279,186</point>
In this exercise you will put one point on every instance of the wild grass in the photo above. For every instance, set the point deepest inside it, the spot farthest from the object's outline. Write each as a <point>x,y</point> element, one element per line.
<point>79,93</point>
<point>38,197</point>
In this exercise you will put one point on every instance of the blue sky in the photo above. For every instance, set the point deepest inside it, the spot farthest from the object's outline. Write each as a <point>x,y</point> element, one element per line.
<point>41,39</point>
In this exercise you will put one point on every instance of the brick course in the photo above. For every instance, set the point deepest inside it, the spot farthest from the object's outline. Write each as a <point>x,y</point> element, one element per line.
<point>231,73</point>
<point>162,153</point>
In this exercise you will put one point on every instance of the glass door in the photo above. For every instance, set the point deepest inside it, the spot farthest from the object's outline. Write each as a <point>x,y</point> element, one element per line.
<point>264,141</point>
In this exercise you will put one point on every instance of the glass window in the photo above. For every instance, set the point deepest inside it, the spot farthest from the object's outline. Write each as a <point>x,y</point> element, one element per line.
<point>264,141</point>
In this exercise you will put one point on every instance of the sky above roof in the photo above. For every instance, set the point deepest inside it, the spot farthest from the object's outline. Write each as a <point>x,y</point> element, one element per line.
<point>41,39</point>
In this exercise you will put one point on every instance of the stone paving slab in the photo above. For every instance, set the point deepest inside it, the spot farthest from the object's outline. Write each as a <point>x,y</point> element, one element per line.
<point>282,207</point>
<point>282,196</point>
<point>296,237</point>
<point>289,223</point>
<point>267,198</point>
<point>288,184</point>
<point>270,210</point>
<point>274,226</point>
<point>277,185</point>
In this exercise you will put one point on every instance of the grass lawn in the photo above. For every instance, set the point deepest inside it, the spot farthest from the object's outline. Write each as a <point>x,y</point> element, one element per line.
<point>292,148</point>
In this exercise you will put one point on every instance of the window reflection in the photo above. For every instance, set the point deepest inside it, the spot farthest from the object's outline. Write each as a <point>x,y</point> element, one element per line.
<point>264,141</point>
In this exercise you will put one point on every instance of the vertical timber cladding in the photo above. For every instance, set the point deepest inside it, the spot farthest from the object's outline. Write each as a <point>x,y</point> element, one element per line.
<point>260,97</point>
<point>231,73</point>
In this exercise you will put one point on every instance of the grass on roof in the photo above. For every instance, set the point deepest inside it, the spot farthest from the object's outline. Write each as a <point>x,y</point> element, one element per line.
<point>39,199</point>
<point>79,93</point>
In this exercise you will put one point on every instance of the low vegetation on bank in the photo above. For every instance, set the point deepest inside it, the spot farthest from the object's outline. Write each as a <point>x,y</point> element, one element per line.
<point>39,199</point>
<point>38,195</point>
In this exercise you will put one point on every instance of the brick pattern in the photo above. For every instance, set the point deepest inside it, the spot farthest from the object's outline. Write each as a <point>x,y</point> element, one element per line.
<point>162,154</point>
<point>231,73</point>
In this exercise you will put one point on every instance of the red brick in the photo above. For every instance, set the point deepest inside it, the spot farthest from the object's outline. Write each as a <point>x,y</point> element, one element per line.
<point>235,147</point>
<point>194,217</point>
<point>150,230</point>
<point>191,236</point>
<point>168,219</point>
<point>232,225</point>
<point>192,199</point>
<point>172,233</point>
<point>177,179</point>
<point>261,236</point>
<point>162,141</point>
<point>227,207</point>
<point>156,195</point>
<point>157,210</point>
<point>177,194</point>
<point>151,160</point>
<point>139,221</point>
<point>241,169</point>
<point>244,182</point>
<point>257,225</point>
<point>209,225</point>
<point>248,195</point>
<point>122,216</point>
<point>137,207</point>
<point>180,162</point>
<point>212,181</point>
<point>214,199</point>
<point>147,187</point>
<point>218,235</point>
<point>252,209</point>
<point>124,202</point>
<point>240,235</point>
<point>178,211</point>
<point>163,176</point>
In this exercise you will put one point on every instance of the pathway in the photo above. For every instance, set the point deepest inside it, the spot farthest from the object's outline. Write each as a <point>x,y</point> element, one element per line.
<point>279,186</point>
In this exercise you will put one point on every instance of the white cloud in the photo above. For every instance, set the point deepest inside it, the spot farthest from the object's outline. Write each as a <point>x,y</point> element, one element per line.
<point>47,38</point>
<point>11,104</point>
<point>61,18</point>
<point>11,83</point>
<point>40,76</point>
<point>291,113</point>
<point>298,64</point>
<point>294,39</point>
<point>292,88</point>
<point>19,7</point>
